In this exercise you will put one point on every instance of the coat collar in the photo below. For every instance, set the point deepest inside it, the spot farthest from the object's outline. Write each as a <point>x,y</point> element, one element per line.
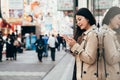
<point>93,27</point>
<point>106,27</point>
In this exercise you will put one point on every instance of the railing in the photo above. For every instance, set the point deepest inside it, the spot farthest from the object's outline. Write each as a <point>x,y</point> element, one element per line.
<point>63,70</point>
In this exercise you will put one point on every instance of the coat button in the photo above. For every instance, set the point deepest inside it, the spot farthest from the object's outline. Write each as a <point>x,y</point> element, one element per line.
<point>84,72</point>
<point>95,73</point>
<point>118,72</point>
<point>107,74</point>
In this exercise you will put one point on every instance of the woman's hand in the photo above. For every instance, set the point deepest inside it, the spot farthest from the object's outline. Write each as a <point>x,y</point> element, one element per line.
<point>70,41</point>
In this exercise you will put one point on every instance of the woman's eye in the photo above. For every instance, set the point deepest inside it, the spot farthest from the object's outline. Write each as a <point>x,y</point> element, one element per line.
<point>79,19</point>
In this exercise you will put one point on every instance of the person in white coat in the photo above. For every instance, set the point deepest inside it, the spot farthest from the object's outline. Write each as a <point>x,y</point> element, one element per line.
<point>51,43</point>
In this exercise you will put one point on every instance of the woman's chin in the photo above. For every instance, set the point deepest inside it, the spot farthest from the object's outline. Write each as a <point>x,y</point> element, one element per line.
<point>81,28</point>
<point>116,27</point>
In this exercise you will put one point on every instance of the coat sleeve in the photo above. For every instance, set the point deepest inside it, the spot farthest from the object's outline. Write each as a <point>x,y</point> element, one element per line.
<point>88,53</point>
<point>112,54</point>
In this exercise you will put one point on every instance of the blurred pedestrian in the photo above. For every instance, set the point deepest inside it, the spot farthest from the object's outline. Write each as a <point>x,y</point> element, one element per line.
<point>40,47</point>
<point>51,42</point>
<point>16,45</point>
<point>1,45</point>
<point>63,44</point>
<point>59,39</point>
<point>45,38</point>
<point>9,47</point>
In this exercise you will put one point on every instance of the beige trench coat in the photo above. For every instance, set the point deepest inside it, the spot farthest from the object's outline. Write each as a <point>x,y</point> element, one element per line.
<point>112,54</point>
<point>87,51</point>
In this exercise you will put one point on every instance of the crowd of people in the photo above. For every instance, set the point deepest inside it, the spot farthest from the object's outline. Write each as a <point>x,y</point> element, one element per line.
<point>52,43</point>
<point>41,45</point>
<point>11,45</point>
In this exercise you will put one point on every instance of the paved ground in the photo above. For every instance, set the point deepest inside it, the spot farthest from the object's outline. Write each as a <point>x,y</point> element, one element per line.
<point>27,66</point>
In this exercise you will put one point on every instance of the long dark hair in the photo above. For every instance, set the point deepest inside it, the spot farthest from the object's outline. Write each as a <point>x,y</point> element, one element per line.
<point>88,15</point>
<point>78,33</point>
<point>110,14</point>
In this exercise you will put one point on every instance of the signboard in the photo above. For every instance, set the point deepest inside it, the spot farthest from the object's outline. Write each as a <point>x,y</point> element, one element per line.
<point>15,4</point>
<point>65,4</point>
<point>103,4</point>
<point>15,8</point>
<point>82,3</point>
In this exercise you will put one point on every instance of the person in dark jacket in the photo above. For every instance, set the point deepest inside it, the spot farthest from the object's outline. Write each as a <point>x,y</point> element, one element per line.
<point>59,38</point>
<point>39,47</point>
<point>1,46</point>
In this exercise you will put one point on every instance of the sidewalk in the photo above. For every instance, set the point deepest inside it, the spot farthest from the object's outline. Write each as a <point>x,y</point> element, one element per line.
<point>27,66</point>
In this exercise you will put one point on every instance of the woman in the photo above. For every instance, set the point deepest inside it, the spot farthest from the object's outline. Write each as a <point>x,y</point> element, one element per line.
<point>111,45</point>
<point>84,46</point>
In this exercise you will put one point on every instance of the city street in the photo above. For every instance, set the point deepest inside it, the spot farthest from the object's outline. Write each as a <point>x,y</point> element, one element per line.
<point>27,66</point>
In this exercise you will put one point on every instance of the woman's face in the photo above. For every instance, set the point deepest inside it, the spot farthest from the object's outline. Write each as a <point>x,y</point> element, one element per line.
<point>115,21</point>
<point>82,22</point>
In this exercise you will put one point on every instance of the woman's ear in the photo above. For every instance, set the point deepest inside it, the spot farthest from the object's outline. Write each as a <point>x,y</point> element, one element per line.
<point>88,20</point>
